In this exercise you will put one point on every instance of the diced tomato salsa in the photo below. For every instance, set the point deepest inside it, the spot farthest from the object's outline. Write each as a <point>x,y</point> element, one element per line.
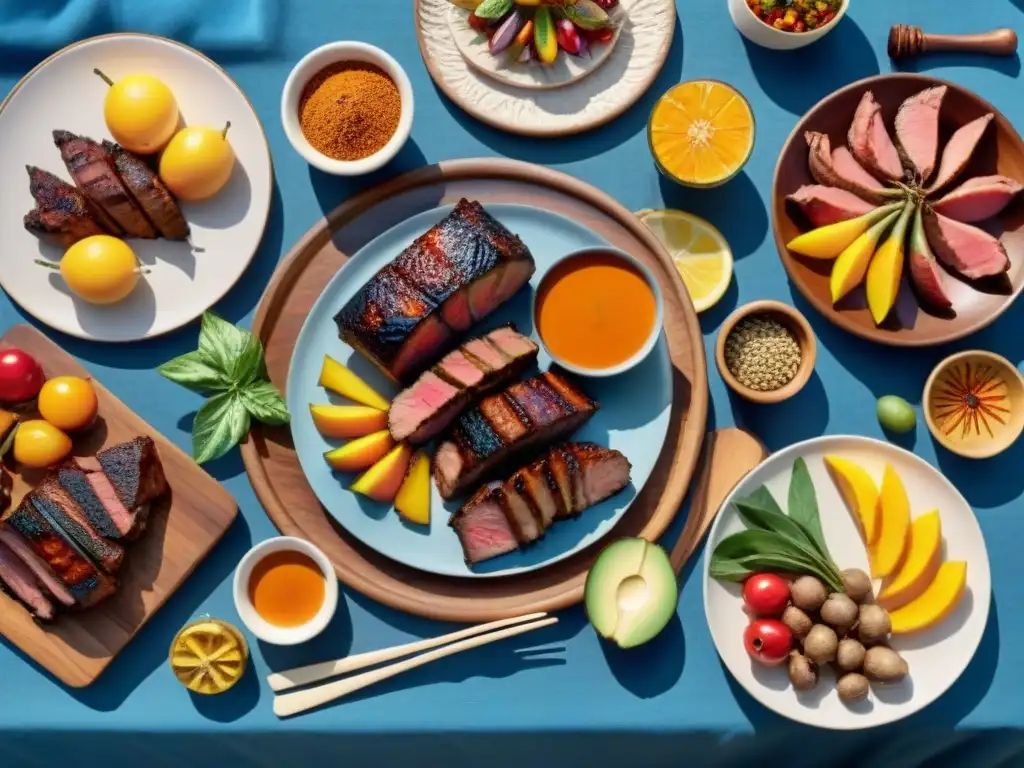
<point>795,15</point>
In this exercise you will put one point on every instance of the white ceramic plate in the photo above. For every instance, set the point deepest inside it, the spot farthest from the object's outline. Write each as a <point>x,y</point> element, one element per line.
<point>632,66</point>
<point>63,92</point>
<point>565,71</point>
<point>936,657</point>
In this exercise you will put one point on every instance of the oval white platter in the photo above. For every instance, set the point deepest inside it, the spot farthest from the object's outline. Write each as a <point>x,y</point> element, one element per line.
<point>937,657</point>
<point>63,92</point>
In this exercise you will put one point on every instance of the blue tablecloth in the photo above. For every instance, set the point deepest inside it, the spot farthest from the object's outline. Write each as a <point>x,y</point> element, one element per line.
<point>670,702</point>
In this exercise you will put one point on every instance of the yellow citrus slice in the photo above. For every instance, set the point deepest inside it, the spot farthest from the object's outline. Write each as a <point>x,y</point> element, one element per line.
<point>209,656</point>
<point>701,133</point>
<point>700,252</point>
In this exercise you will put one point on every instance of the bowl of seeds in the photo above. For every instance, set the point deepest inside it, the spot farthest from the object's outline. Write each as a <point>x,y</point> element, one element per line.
<point>766,351</point>
<point>347,108</point>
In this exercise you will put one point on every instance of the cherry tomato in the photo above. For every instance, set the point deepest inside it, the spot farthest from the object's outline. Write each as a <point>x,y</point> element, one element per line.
<point>38,443</point>
<point>768,641</point>
<point>20,376</point>
<point>765,594</point>
<point>68,402</point>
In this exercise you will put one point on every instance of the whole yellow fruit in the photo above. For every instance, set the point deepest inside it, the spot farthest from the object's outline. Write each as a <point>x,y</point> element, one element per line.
<point>68,402</point>
<point>197,162</point>
<point>38,444</point>
<point>141,113</point>
<point>100,269</point>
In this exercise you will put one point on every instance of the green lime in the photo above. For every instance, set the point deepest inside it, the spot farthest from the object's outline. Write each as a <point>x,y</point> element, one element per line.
<point>896,414</point>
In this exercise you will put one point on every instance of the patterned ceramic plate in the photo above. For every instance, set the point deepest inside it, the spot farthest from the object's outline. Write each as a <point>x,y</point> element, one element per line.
<point>611,86</point>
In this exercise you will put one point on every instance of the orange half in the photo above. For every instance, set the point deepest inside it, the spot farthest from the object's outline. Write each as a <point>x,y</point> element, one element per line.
<point>701,133</point>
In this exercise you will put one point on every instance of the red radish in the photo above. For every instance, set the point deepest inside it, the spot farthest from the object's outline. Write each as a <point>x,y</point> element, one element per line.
<point>768,641</point>
<point>568,38</point>
<point>21,378</point>
<point>766,594</point>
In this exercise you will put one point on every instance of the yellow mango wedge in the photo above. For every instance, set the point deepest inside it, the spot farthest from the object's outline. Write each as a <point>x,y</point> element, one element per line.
<point>860,494</point>
<point>382,481</point>
<point>831,240</point>
<point>937,602</point>
<point>413,499</point>
<point>339,379</point>
<point>924,554</point>
<point>851,266</point>
<point>347,420</point>
<point>886,554</point>
<point>361,453</point>
<point>886,269</point>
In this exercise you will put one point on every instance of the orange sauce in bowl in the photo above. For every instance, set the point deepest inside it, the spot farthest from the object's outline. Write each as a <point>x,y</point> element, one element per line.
<point>595,310</point>
<point>287,588</point>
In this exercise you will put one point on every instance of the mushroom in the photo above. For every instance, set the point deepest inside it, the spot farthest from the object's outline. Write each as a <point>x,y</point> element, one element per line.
<point>808,593</point>
<point>852,686</point>
<point>857,585</point>
<point>799,623</point>
<point>803,673</point>
<point>850,655</point>
<point>820,644</point>
<point>874,624</point>
<point>884,665</point>
<point>839,611</point>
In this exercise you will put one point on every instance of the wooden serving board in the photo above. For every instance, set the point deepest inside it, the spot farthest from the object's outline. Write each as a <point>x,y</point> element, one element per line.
<point>270,457</point>
<point>184,525</point>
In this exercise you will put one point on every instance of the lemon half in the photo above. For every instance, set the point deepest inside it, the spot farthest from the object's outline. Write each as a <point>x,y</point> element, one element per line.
<point>209,656</point>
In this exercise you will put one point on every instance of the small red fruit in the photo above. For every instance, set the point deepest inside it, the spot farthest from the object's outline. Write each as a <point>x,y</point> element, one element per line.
<point>21,378</point>
<point>479,24</point>
<point>766,594</point>
<point>768,641</point>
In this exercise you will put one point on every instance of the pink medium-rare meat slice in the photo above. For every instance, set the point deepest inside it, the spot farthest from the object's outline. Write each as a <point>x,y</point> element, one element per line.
<point>149,193</point>
<point>482,528</point>
<point>92,168</point>
<point>428,406</point>
<point>959,150</point>
<point>828,205</point>
<point>57,505</point>
<point>44,573</point>
<point>917,131</point>
<point>925,273</point>
<point>977,199</point>
<point>467,254</point>
<point>503,426</point>
<point>838,169</point>
<point>972,252</point>
<point>564,481</point>
<point>870,141</point>
<point>19,582</point>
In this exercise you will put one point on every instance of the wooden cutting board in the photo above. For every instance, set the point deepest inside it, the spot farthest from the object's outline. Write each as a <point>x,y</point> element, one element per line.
<point>183,527</point>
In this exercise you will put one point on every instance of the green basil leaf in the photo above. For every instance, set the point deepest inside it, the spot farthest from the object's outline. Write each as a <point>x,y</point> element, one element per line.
<point>230,349</point>
<point>193,371</point>
<point>766,520</point>
<point>493,9</point>
<point>761,542</point>
<point>763,498</point>
<point>764,562</point>
<point>219,425</point>
<point>803,507</point>
<point>726,569</point>
<point>263,401</point>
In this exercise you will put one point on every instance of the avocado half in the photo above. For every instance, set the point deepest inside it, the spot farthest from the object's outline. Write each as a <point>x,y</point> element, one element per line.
<point>631,592</point>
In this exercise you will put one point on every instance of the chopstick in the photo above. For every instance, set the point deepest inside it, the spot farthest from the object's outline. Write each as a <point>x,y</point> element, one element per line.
<point>313,673</point>
<point>298,702</point>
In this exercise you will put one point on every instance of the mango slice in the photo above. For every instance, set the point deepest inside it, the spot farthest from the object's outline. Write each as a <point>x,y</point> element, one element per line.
<point>860,494</point>
<point>337,378</point>
<point>936,603</point>
<point>924,554</point>
<point>361,453</point>
<point>831,240</point>
<point>382,481</point>
<point>886,269</point>
<point>852,265</point>
<point>347,420</point>
<point>413,499</point>
<point>886,554</point>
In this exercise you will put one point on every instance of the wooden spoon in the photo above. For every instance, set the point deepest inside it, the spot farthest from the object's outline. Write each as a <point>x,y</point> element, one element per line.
<point>729,455</point>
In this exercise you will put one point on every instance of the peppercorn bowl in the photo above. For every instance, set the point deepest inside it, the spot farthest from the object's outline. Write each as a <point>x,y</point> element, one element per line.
<point>764,34</point>
<point>313,63</point>
<point>795,326</point>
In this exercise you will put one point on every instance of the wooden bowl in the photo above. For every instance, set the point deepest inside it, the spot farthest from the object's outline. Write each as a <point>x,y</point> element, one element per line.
<point>796,323</point>
<point>976,304</point>
<point>974,404</point>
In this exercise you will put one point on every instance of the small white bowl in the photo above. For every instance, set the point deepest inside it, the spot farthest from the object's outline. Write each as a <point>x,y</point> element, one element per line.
<point>312,63</point>
<point>756,31</point>
<point>255,623</point>
<point>659,313</point>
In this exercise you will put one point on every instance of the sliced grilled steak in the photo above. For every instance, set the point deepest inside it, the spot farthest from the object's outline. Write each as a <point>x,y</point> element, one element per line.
<point>97,497</point>
<point>459,271</point>
<point>425,409</point>
<point>565,481</point>
<point>61,210</point>
<point>502,426</point>
<point>19,582</point>
<point>87,583</point>
<point>870,142</point>
<point>44,573</point>
<point>56,504</point>
<point>917,131</point>
<point>92,168</point>
<point>135,471</point>
<point>959,151</point>
<point>149,192</point>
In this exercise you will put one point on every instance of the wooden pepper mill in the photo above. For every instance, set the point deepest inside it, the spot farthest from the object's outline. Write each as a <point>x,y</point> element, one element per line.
<point>905,42</point>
